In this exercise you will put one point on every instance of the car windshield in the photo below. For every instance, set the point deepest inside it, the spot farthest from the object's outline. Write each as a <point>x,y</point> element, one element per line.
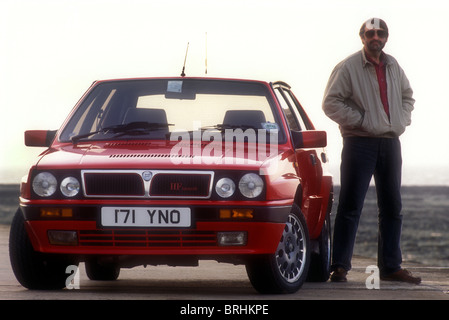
<point>162,108</point>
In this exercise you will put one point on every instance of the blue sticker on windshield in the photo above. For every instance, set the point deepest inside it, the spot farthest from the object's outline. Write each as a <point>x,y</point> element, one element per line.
<point>174,86</point>
<point>270,126</point>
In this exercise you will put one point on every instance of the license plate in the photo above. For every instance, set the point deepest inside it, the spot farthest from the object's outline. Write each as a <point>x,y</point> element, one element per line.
<point>145,217</point>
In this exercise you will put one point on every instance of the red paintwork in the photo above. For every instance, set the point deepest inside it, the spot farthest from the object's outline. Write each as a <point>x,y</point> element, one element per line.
<point>258,242</point>
<point>295,170</point>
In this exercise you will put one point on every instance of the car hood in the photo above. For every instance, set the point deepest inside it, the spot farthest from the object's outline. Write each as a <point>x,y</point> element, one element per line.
<point>161,155</point>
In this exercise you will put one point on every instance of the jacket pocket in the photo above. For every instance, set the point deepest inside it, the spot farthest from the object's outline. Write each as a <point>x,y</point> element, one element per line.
<point>367,124</point>
<point>400,123</point>
<point>376,124</point>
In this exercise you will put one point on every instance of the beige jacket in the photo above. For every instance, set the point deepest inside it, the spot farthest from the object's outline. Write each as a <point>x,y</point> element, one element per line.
<point>352,98</point>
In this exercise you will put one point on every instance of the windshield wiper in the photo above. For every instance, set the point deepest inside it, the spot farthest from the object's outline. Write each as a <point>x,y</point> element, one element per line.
<point>132,127</point>
<point>223,127</point>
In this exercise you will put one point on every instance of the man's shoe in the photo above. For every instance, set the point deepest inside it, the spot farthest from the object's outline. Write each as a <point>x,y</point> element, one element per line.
<point>402,275</point>
<point>339,275</point>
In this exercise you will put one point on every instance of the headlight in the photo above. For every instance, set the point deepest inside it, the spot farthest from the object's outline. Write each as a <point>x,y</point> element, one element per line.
<point>225,187</point>
<point>251,185</point>
<point>70,187</point>
<point>44,184</point>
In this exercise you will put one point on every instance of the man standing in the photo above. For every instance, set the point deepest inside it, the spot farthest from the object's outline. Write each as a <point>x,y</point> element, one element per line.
<point>370,98</point>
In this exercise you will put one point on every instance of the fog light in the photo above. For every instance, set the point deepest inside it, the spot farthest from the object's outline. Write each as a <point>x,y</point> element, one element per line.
<point>63,237</point>
<point>235,238</point>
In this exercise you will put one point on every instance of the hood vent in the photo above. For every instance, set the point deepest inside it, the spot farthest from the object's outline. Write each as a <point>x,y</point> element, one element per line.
<point>150,155</point>
<point>127,144</point>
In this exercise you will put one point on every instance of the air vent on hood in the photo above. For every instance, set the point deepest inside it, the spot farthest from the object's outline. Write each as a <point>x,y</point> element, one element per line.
<point>127,144</point>
<point>149,155</point>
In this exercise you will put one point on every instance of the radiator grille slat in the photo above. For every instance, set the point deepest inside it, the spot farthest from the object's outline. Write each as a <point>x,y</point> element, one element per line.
<point>147,238</point>
<point>125,184</point>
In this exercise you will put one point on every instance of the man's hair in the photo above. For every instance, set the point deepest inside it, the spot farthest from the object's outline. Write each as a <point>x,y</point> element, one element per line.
<point>373,23</point>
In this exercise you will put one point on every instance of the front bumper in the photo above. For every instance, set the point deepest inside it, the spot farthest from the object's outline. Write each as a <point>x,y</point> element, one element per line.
<point>262,232</point>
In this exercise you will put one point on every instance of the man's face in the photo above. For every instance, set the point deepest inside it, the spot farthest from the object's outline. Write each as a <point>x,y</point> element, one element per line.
<point>374,40</point>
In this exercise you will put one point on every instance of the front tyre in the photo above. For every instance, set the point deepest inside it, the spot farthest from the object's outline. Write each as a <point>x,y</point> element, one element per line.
<point>34,270</point>
<point>101,272</point>
<point>286,270</point>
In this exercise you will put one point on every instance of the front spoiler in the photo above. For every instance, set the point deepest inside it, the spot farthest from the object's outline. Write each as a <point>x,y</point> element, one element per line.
<point>262,238</point>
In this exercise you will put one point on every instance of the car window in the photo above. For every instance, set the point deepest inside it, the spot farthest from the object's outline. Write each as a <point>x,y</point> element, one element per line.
<point>206,110</point>
<point>293,111</point>
<point>182,105</point>
<point>288,110</point>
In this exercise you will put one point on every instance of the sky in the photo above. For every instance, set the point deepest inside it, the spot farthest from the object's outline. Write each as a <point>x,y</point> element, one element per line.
<point>51,51</point>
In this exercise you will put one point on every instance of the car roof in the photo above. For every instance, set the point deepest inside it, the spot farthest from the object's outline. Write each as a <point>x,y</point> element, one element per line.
<point>181,78</point>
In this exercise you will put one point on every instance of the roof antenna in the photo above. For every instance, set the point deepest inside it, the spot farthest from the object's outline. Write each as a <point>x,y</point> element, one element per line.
<point>206,53</point>
<point>185,59</point>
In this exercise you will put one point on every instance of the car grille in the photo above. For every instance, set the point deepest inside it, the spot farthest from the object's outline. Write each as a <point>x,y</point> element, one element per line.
<point>147,184</point>
<point>110,184</point>
<point>147,238</point>
<point>187,185</point>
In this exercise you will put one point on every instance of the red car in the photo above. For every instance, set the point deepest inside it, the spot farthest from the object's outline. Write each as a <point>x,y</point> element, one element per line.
<point>173,171</point>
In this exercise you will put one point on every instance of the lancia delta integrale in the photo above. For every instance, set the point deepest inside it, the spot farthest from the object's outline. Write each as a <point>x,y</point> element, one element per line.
<point>172,171</point>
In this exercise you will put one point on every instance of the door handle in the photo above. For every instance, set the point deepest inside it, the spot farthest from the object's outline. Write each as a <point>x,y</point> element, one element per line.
<point>313,159</point>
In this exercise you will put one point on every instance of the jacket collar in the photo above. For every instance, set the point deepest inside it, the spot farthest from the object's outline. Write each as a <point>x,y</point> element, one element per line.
<point>365,60</point>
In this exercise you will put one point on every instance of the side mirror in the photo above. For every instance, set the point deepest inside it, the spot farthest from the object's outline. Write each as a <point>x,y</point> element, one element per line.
<point>39,138</point>
<point>309,139</point>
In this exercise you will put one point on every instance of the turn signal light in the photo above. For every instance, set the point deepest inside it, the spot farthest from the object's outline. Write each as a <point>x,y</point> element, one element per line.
<point>225,213</point>
<point>236,213</point>
<point>242,213</point>
<point>56,213</point>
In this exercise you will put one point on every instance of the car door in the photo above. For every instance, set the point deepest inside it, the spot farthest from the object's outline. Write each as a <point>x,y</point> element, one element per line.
<point>308,160</point>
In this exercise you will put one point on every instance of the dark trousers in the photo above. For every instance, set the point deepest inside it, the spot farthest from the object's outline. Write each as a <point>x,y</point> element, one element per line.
<point>361,159</point>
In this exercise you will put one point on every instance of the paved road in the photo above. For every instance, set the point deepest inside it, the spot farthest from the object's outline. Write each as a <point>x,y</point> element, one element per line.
<point>219,281</point>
